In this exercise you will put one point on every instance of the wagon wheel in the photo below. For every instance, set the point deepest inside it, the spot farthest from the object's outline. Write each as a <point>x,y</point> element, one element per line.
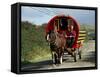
<point>80,54</point>
<point>75,56</point>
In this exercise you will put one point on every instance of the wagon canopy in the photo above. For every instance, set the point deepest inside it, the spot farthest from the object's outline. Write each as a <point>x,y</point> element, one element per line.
<point>61,23</point>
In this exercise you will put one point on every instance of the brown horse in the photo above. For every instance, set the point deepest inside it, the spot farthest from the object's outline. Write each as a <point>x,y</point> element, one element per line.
<point>57,45</point>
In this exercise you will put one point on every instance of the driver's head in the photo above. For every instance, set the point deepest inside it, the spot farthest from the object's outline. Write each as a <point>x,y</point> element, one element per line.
<point>70,25</point>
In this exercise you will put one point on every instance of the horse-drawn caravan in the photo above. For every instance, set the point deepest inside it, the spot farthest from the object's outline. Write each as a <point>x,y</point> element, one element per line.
<point>64,35</point>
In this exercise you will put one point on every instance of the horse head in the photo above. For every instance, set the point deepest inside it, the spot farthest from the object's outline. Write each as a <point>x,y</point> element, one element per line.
<point>51,37</point>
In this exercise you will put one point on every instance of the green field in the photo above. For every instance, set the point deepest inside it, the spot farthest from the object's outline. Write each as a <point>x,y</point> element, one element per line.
<point>34,47</point>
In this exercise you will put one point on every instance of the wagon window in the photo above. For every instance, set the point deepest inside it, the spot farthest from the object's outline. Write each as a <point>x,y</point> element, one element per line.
<point>63,23</point>
<point>70,22</point>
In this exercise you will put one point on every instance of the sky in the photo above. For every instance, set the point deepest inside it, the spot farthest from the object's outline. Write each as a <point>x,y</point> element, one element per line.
<point>40,15</point>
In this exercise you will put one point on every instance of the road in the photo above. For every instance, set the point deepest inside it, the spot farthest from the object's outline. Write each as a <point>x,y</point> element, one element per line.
<point>88,60</point>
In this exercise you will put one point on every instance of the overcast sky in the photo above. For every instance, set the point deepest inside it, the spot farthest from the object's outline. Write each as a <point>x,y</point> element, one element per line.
<point>38,15</point>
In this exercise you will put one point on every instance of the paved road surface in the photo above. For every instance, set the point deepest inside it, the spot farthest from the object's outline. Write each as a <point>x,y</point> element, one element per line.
<point>88,60</point>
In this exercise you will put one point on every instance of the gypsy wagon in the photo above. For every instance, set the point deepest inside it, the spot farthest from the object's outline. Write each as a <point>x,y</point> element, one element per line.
<point>61,22</point>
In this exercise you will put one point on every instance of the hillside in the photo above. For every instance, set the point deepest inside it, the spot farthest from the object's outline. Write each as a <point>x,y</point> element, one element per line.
<point>33,44</point>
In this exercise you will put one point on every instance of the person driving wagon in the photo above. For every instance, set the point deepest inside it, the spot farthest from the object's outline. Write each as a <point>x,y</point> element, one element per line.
<point>70,34</point>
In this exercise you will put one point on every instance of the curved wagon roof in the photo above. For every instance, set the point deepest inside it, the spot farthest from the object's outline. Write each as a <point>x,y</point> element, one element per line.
<point>50,25</point>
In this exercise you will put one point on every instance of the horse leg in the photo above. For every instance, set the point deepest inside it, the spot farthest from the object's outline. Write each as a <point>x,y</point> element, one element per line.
<point>61,60</point>
<point>60,56</point>
<point>53,61</point>
<point>55,58</point>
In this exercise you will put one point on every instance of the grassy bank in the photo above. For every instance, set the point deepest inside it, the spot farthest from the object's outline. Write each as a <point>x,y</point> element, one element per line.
<point>34,46</point>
